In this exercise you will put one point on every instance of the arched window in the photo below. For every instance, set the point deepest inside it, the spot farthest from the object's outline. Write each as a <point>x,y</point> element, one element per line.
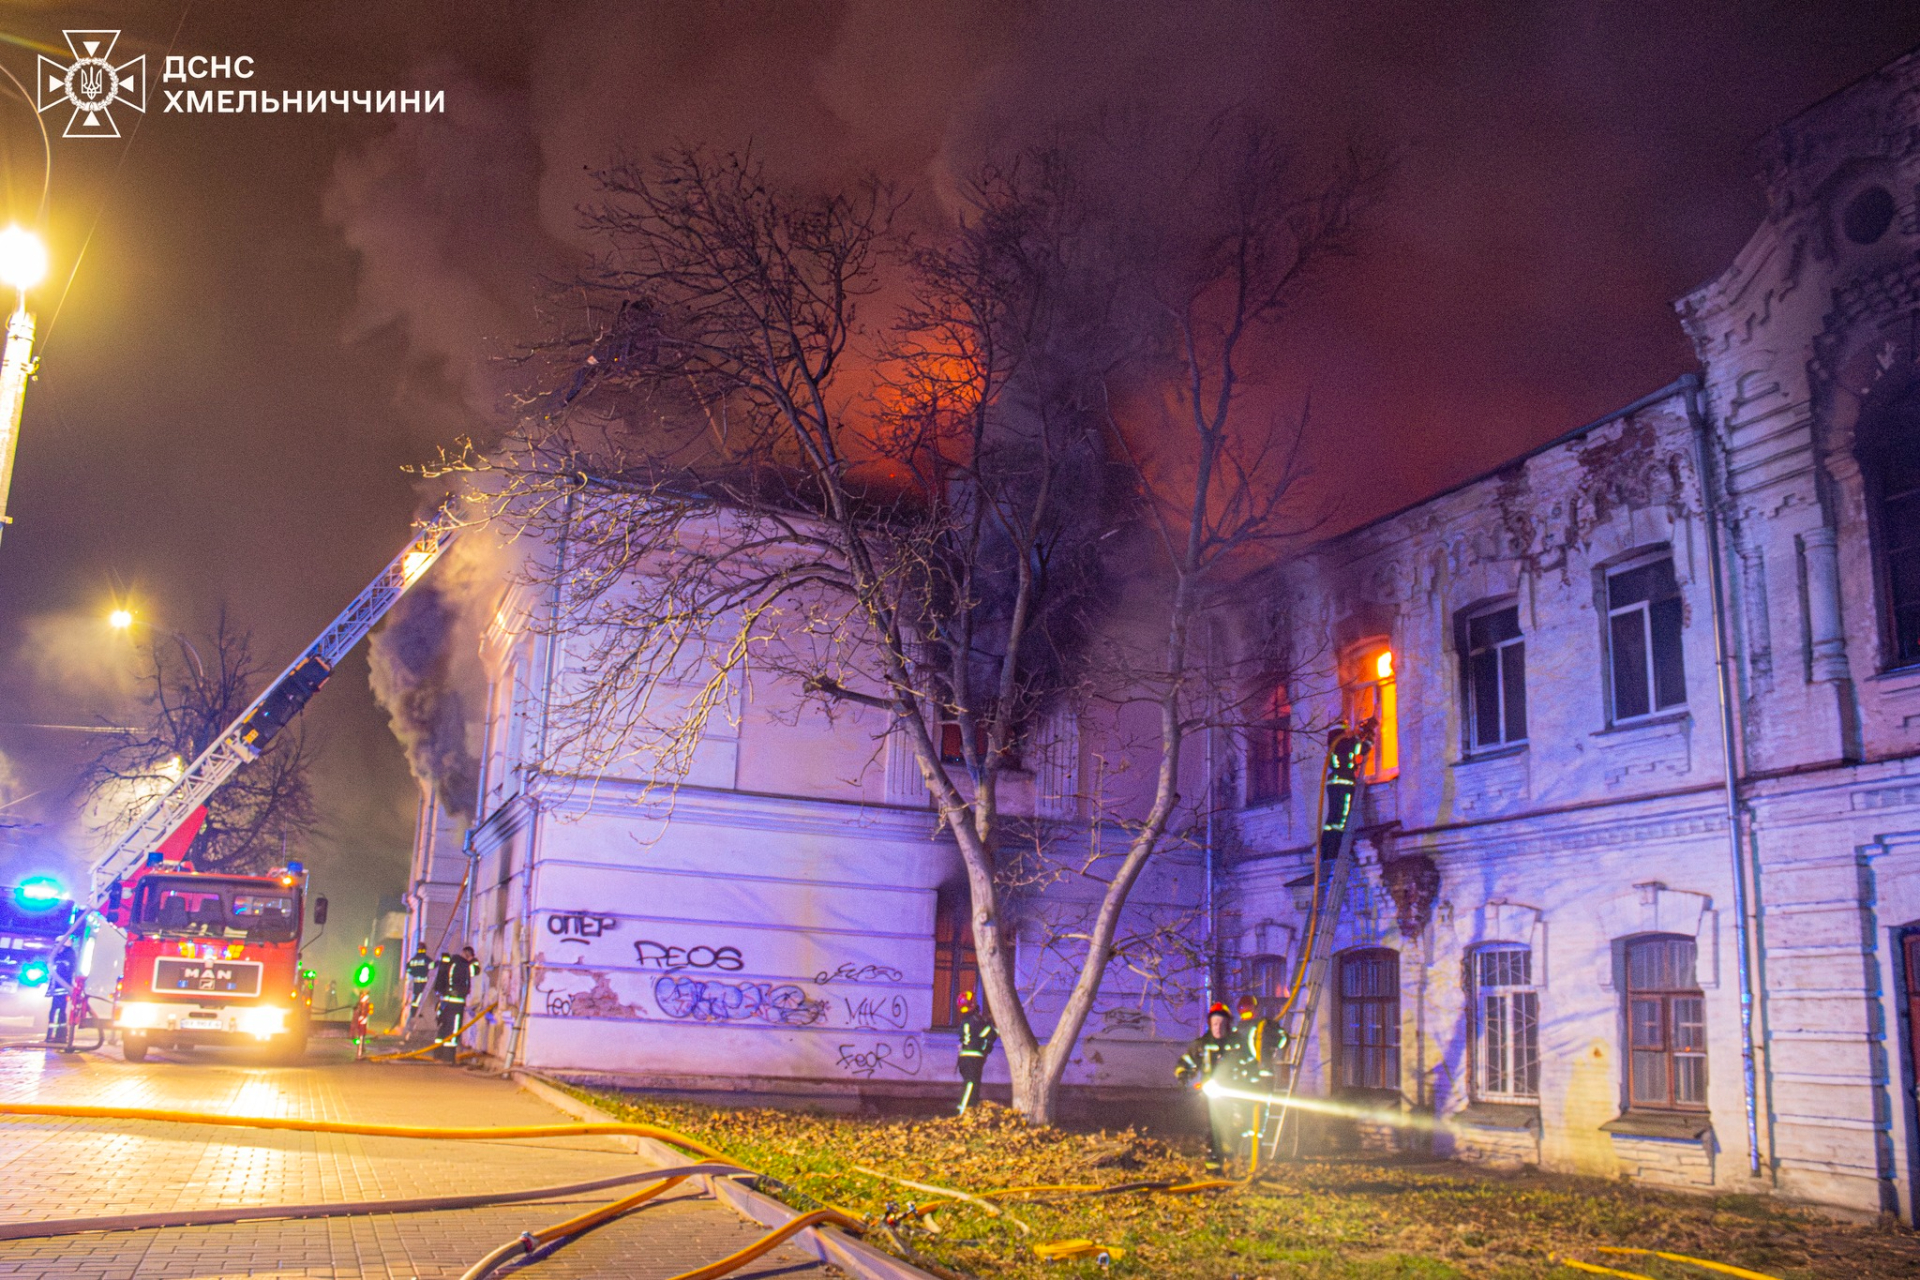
<point>1267,979</point>
<point>1666,1026</point>
<point>1369,1013</point>
<point>1889,450</point>
<point>1370,691</point>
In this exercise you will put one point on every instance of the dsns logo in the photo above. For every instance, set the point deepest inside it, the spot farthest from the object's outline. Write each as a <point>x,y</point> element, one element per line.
<point>92,85</point>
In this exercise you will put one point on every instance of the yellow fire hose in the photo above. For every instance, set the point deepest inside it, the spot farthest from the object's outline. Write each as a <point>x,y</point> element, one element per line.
<point>459,1031</point>
<point>1593,1268</point>
<point>559,1231</point>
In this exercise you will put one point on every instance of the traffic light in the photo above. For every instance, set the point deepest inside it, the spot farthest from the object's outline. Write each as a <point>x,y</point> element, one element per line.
<point>363,975</point>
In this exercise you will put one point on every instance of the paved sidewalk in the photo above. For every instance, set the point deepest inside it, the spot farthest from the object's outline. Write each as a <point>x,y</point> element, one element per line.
<point>58,1168</point>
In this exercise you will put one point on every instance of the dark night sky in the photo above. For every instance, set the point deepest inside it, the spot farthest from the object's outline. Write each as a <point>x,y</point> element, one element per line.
<point>274,314</point>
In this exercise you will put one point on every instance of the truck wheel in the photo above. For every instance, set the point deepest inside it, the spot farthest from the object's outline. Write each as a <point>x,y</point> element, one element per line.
<point>133,1047</point>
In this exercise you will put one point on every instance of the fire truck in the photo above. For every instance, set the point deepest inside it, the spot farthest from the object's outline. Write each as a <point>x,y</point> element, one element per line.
<point>215,959</point>
<point>212,959</point>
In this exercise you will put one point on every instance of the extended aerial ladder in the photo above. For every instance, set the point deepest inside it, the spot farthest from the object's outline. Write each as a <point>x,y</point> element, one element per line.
<point>255,729</point>
<point>1343,788</point>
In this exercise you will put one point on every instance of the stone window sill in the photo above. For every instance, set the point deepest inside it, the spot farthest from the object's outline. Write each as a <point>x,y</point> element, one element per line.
<point>1673,1126</point>
<point>1498,1115</point>
<point>1664,720</point>
<point>1487,754</point>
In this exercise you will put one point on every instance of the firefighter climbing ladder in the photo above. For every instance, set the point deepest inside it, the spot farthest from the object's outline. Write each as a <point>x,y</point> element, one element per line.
<point>249,735</point>
<point>1343,788</point>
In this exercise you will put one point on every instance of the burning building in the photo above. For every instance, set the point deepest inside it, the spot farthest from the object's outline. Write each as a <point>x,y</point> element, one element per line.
<point>1639,888</point>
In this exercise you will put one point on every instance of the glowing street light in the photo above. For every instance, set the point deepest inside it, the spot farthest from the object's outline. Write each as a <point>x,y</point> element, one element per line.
<point>120,619</point>
<point>23,264</point>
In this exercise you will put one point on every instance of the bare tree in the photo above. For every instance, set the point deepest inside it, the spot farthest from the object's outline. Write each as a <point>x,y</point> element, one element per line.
<point>960,531</point>
<point>193,692</point>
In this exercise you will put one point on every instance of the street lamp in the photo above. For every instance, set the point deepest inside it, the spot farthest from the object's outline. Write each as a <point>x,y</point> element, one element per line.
<point>122,620</point>
<point>23,264</point>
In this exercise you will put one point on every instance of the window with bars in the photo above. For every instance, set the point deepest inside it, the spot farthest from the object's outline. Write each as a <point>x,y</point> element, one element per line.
<point>1369,1010</point>
<point>1270,747</point>
<point>1507,1037</point>
<point>1666,1026</point>
<point>1496,667</point>
<point>955,966</point>
<point>1643,640</point>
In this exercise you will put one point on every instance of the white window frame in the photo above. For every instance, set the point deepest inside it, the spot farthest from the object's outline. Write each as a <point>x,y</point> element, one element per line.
<point>1506,1027</point>
<point>1643,608</point>
<point>1500,650</point>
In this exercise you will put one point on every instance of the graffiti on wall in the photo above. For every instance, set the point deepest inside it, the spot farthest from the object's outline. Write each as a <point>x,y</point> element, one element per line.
<point>704,1000</point>
<point>877,1013</point>
<point>580,926</point>
<point>901,1057</point>
<point>661,955</point>
<point>851,972</point>
<point>599,1001</point>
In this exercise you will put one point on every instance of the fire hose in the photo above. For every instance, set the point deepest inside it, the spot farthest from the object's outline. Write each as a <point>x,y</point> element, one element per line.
<point>525,1243</point>
<point>458,1031</point>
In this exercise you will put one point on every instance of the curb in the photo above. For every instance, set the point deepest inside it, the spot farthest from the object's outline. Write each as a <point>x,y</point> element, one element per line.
<point>855,1257</point>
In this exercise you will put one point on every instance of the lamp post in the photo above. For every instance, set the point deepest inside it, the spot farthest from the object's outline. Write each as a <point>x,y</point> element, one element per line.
<point>123,620</point>
<point>23,263</point>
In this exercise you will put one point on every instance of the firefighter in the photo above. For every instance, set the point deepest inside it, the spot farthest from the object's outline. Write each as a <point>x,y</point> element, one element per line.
<point>62,989</point>
<point>452,983</point>
<point>1261,1042</point>
<point>1210,1057</point>
<point>977,1035</point>
<point>362,1014</point>
<point>419,974</point>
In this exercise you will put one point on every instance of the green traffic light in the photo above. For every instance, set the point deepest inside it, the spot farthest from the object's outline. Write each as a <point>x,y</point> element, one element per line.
<point>363,976</point>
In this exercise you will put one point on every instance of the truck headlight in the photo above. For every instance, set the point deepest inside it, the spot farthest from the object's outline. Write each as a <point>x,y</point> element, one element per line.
<point>265,1021</point>
<point>140,1016</point>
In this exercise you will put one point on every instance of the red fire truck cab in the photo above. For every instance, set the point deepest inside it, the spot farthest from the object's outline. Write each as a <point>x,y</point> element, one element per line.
<point>212,959</point>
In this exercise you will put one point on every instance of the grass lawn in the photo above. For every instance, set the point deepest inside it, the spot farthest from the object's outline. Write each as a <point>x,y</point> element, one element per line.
<point>1335,1219</point>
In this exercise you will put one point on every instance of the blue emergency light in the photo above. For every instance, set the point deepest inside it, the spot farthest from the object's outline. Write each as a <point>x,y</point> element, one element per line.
<point>33,973</point>
<point>39,893</point>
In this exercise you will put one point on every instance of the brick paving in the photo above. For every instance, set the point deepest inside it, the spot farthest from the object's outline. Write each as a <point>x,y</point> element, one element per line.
<point>59,1168</point>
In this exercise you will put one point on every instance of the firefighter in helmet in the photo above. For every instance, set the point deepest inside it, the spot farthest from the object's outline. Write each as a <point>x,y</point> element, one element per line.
<point>1209,1059</point>
<point>977,1035</point>
<point>452,984</point>
<point>419,974</point>
<point>1262,1041</point>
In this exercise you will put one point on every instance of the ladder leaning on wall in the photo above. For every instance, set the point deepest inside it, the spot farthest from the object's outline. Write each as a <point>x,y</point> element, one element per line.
<point>1343,787</point>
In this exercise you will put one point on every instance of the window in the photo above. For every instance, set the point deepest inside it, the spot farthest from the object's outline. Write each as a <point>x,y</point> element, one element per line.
<point>1270,747</point>
<point>1666,1026</point>
<point>1643,639</point>
<point>1890,457</point>
<point>953,745</point>
<point>1369,692</point>
<point>1507,1037</point>
<point>1369,1021</point>
<point>1267,977</point>
<point>1496,666</point>
<point>955,967</point>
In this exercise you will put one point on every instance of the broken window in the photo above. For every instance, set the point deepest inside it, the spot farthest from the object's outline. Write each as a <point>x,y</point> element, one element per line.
<point>1370,692</point>
<point>1890,459</point>
<point>1643,639</point>
<point>1507,1037</point>
<point>956,969</point>
<point>1496,667</point>
<point>1270,747</point>
<point>1666,1026</point>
